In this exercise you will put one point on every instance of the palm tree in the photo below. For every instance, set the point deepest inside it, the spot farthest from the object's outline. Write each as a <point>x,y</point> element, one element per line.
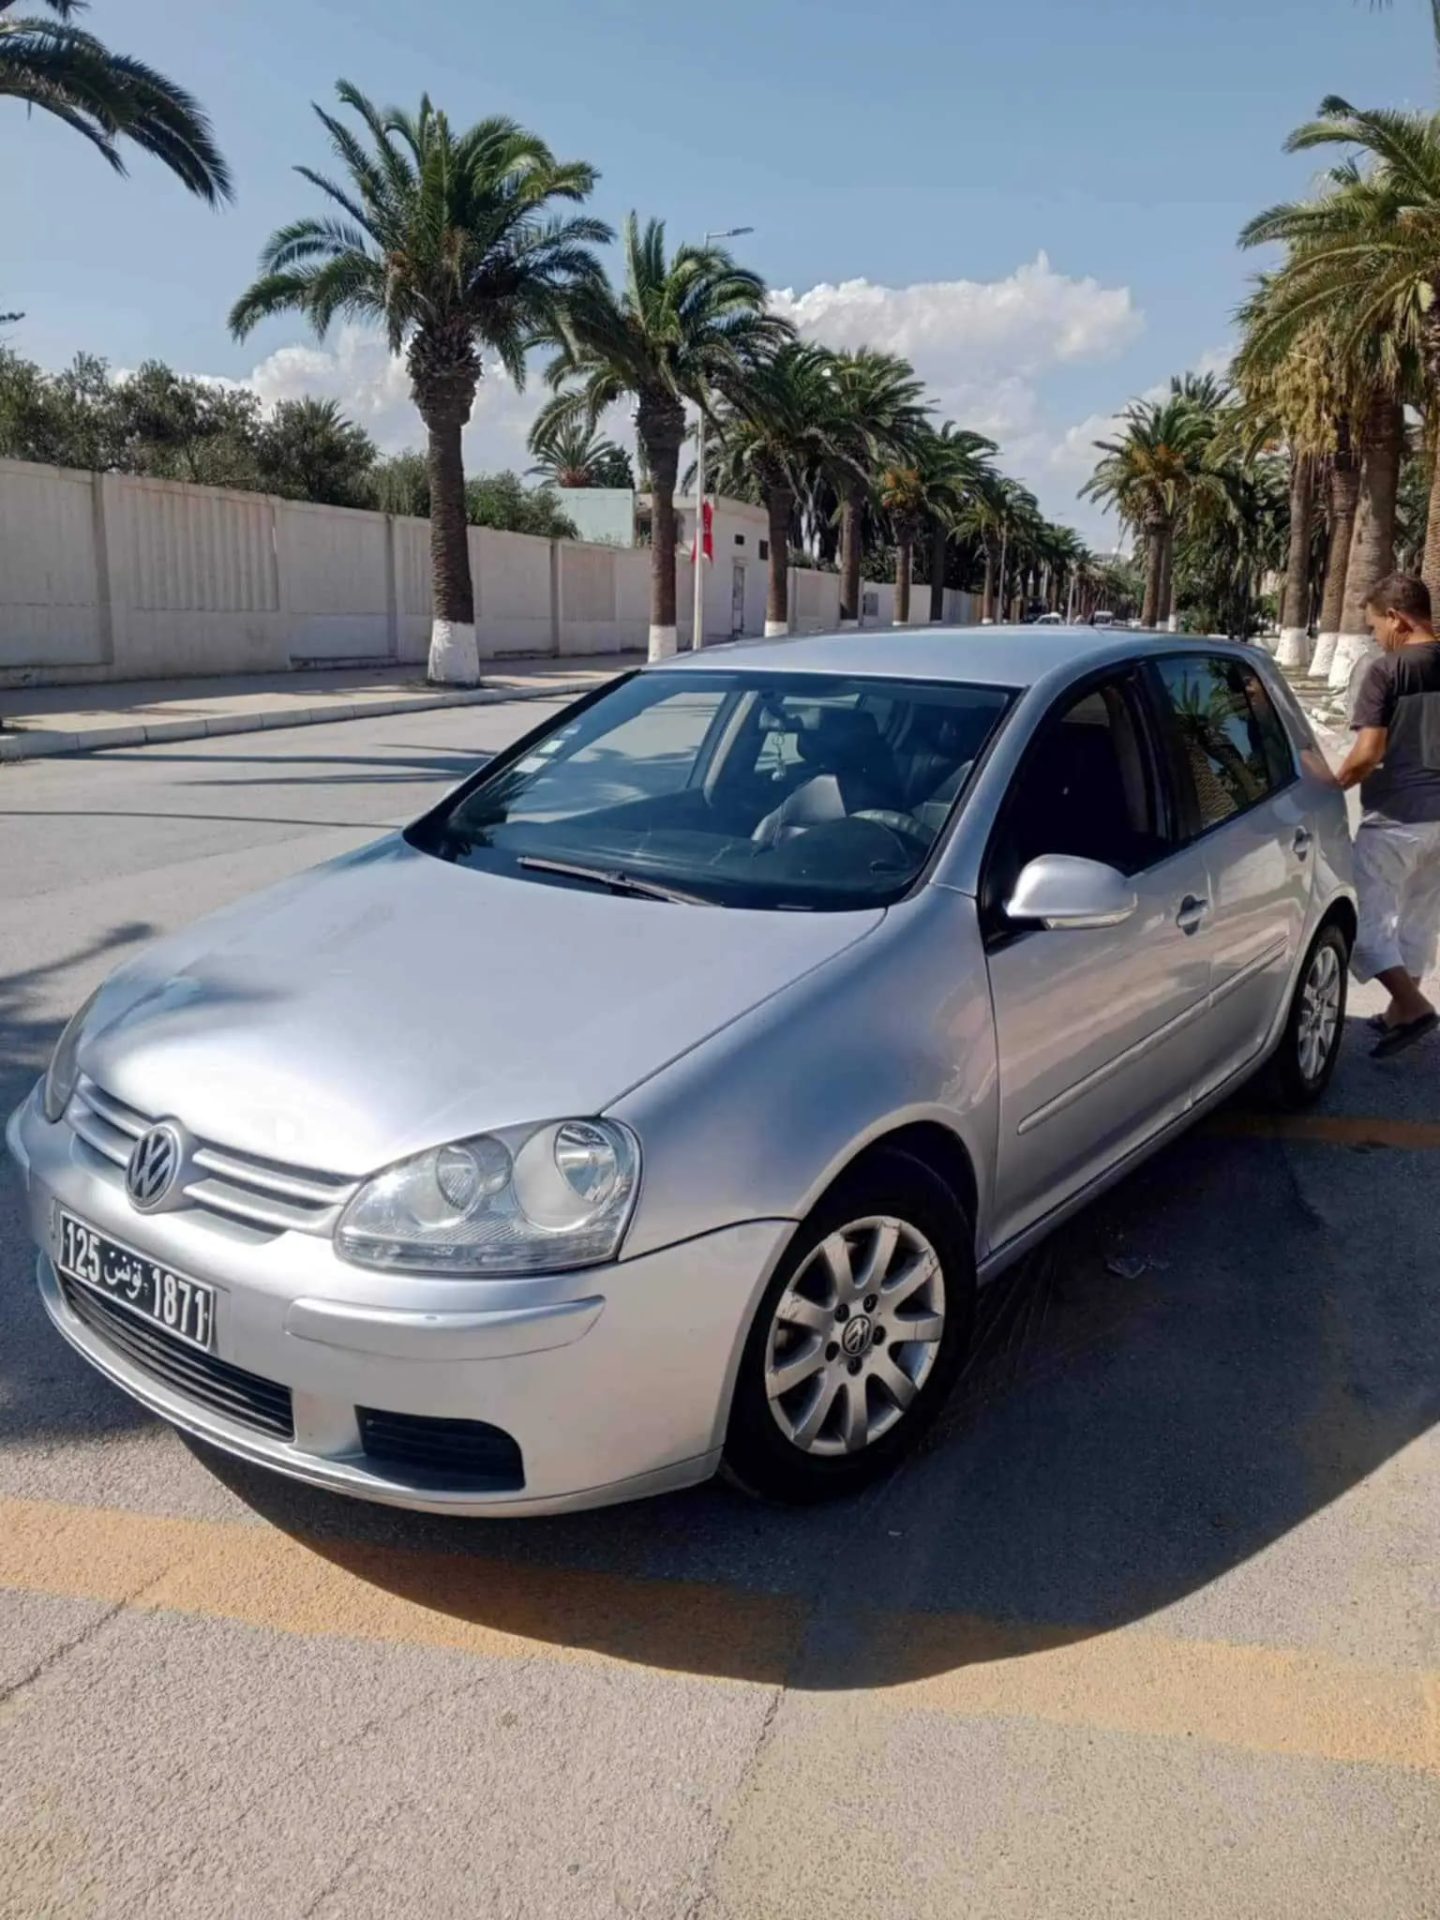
<point>572,454</point>
<point>878,416</point>
<point>1365,256</point>
<point>1147,475</point>
<point>954,465</point>
<point>54,65</point>
<point>446,240</point>
<point>772,441</point>
<point>682,328</point>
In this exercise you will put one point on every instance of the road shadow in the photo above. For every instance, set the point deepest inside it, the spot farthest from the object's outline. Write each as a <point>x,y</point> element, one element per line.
<point>1192,1368</point>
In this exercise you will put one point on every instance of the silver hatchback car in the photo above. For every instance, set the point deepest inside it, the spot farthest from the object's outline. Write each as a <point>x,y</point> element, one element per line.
<point>661,1098</point>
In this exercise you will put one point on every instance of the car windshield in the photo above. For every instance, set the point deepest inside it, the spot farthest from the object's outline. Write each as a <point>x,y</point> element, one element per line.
<point>728,788</point>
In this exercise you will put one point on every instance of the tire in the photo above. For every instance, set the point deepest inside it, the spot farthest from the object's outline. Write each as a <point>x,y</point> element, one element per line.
<point>1297,1076</point>
<point>890,1214</point>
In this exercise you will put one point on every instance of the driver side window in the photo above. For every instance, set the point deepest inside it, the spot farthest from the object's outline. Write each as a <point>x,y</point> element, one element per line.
<point>1088,787</point>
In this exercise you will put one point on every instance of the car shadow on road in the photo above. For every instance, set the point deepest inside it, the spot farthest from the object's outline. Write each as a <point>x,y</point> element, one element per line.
<point>1195,1366</point>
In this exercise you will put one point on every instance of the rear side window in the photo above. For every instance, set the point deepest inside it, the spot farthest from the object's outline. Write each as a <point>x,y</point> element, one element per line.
<point>1220,735</point>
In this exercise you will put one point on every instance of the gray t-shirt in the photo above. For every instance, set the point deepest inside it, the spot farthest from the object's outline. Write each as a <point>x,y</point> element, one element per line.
<point>1401,692</point>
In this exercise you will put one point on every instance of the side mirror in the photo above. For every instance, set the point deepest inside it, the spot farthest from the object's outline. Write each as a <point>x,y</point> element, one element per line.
<point>1065,893</point>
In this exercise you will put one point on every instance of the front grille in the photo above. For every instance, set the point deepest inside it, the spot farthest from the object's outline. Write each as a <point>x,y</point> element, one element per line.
<point>242,1186</point>
<point>240,1396</point>
<point>442,1453</point>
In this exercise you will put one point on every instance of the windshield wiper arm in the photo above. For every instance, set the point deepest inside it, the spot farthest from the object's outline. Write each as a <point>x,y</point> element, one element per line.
<point>614,878</point>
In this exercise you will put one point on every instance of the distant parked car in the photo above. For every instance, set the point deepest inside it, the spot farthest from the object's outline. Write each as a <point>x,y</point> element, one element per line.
<point>1050,620</point>
<point>1102,619</point>
<point>660,1098</point>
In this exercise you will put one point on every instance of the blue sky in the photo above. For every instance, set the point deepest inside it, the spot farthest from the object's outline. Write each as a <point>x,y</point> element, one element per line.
<point>1037,200</point>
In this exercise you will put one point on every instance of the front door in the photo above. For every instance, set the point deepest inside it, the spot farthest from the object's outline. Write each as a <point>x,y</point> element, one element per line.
<point>1099,1031</point>
<point>1247,814</point>
<point>737,598</point>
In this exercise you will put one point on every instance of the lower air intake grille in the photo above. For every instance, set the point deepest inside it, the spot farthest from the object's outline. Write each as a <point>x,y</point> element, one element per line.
<point>454,1454</point>
<point>242,1397</point>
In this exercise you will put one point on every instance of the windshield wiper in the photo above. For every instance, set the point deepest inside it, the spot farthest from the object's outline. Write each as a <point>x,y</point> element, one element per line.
<point>614,878</point>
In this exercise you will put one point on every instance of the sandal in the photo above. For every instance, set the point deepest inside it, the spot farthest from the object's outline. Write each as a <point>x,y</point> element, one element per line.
<point>1398,1039</point>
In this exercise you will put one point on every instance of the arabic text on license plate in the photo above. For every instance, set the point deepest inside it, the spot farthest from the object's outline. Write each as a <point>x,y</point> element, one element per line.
<point>183,1307</point>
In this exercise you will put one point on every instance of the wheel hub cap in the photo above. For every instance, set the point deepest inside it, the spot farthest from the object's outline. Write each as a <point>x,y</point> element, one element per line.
<point>857,1336</point>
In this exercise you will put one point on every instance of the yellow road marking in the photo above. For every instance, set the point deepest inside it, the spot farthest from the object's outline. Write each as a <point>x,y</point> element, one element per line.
<point>1262,1700</point>
<point>348,1588</point>
<point>1300,1703</point>
<point>1328,1129</point>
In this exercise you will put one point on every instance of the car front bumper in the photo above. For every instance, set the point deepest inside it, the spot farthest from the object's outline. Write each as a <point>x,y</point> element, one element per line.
<point>614,1382</point>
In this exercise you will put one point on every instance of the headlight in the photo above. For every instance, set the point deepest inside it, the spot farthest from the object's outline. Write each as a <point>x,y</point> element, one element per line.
<point>64,1068</point>
<point>524,1200</point>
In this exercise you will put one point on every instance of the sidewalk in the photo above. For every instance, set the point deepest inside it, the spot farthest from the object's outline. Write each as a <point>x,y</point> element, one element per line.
<point>42,721</point>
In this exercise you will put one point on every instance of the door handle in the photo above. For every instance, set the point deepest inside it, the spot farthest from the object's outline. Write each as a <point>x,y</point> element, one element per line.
<point>1302,842</point>
<point>1192,912</point>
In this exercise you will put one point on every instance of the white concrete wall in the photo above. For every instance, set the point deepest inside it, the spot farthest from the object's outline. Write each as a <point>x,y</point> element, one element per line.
<point>110,577</point>
<point>50,595</point>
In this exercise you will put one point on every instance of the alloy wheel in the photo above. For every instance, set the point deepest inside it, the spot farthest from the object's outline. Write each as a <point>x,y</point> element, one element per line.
<point>1319,1012</point>
<point>855,1336</point>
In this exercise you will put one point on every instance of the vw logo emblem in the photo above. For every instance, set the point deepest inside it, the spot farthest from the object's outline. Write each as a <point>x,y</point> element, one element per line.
<point>856,1337</point>
<point>153,1168</point>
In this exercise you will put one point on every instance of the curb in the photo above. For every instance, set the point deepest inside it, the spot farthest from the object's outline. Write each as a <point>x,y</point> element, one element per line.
<point>41,745</point>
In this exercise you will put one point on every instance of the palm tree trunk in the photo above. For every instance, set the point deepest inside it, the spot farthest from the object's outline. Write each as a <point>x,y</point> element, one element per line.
<point>1154,572</point>
<point>987,600</point>
<point>1294,648</point>
<point>904,566</point>
<point>1165,607</point>
<point>1372,545</point>
<point>454,657</point>
<point>1430,567</point>
<point>660,429</point>
<point>1344,494</point>
<point>779,505</point>
<point>852,510</point>
<point>939,559</point>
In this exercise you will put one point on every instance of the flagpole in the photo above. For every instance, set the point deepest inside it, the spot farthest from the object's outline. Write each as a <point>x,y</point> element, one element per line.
<point>697,627</point>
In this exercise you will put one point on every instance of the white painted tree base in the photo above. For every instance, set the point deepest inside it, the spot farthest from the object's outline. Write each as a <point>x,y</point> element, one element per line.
<point>987,621</point>
<point>1294,648</point>
<point>777,629</point>
<point>1324,653</point>
<point>849,626</point>
<point>664,643</point>
<point>454,657</point>
<point>1350,650</point>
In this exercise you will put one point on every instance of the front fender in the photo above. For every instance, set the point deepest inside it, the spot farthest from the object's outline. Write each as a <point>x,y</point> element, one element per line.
<point>757,1122</point>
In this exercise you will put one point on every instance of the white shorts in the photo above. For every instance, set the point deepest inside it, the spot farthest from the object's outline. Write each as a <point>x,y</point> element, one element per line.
<point>1397,875</point>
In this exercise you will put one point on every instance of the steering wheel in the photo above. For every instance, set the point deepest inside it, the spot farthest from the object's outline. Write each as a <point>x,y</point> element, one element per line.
<point>903,825</point>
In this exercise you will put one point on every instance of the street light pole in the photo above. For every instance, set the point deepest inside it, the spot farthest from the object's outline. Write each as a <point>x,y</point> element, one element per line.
<point>697,628</point>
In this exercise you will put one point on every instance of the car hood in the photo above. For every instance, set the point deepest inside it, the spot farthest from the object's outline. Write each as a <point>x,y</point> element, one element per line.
<point>389,1001</point>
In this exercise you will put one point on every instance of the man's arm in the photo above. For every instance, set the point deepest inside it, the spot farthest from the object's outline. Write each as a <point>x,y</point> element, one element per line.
<point>1364,757</point>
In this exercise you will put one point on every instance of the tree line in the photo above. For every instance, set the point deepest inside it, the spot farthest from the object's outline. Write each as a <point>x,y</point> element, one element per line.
<point>168,426</point>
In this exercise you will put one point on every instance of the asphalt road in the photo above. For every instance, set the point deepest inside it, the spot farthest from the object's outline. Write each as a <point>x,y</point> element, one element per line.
<point>1150,1629</point>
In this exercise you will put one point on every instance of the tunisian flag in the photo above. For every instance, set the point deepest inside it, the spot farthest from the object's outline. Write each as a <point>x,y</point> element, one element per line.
<point>707,513</point>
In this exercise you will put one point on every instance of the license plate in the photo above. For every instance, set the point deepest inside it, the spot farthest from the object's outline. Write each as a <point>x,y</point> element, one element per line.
<point>185,1308</point>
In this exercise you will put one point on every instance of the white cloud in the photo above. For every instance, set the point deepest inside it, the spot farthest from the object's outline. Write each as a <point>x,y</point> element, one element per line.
<point>986,349</point>
<point>983,346</point>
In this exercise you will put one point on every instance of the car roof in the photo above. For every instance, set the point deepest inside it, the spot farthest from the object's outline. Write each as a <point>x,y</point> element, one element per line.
<point>998,656</point>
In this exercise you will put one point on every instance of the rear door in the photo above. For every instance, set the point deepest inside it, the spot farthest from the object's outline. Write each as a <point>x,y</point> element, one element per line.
<point>1099,1030</point>
<point>1236,770</point>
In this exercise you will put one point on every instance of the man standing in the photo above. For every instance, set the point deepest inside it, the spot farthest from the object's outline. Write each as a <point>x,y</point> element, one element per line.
<point>1395,762</point>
